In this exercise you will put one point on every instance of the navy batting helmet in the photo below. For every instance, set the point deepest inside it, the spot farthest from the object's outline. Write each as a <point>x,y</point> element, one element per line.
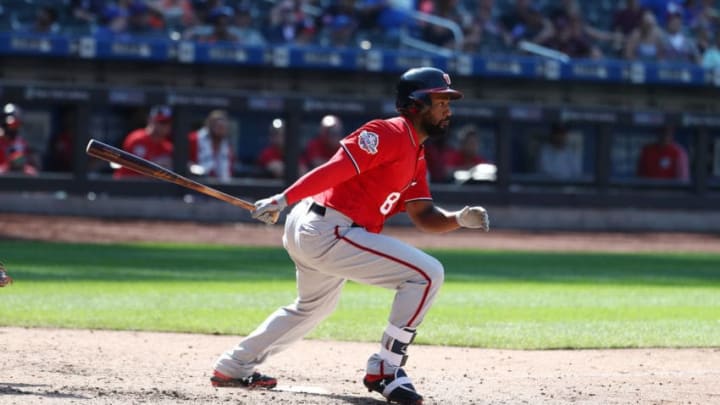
<point>416,85</point>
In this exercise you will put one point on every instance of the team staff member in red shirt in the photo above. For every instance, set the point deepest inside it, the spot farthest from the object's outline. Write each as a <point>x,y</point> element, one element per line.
<point>333,235</point>
<point>664,159</point>
<point>15,153</point>
<point>151,142</point>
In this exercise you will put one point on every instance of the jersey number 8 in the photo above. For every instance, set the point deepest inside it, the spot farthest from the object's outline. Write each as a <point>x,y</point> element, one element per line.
<point>389,203</point>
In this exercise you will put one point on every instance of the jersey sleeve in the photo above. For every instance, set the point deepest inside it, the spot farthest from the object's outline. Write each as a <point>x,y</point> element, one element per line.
<point>371,145</point>
<point>420,189</point>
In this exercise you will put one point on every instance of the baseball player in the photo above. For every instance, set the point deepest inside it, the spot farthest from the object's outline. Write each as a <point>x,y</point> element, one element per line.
<point>333,235</point>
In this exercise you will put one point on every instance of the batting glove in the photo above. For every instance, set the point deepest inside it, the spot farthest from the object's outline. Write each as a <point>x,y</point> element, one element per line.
<point>268,209</point>
<point>473,217</point>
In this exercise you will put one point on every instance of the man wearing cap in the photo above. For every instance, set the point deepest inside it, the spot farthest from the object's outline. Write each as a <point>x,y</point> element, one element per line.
<point>333,234</point>
<point>15,153</point>
<point>151,142</point>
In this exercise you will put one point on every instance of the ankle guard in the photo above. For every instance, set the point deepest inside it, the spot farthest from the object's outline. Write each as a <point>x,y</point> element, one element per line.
<point>395,343</point>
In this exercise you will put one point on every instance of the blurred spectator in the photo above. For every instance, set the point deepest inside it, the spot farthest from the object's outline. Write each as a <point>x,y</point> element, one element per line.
<point>143,20</point>
<point>628,18</point>
<point>646,42</point>
<point>46,21</point>
<point>437,34</point>
<point>151,142</point>
<point>289,24</point>
<point>221,19</point>
<point>468,154</point>
<point>483,31</point>
<point>338,24</point>
<point>664,159</point>
<point>249,35</point>
<point>59,155</point>
<point>175,13</point>
<point>711,56</point>
<point>571,39</point>
<point>679,46</point>
<point>438,153</point>
<point>272,157</point>
<point>87,11</point>
<point>16,156</point>
<point>525,22</point>
<point>704,15</point>
<point>558,158</point>
<point>210,150</point>
<point>325,144</point>
<point>113,23</point>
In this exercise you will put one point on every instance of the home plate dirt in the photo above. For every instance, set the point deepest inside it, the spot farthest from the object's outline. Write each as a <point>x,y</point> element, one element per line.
<point>64,366</point>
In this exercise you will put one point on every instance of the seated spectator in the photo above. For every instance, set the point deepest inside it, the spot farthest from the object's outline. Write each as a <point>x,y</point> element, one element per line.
<point>16,156</point>
<point>321,148</point>
<point>678,45</point>
<point>59,155</point>
<point>244,28</point>
<point>628,18</point>
<point>571,39</point>
<point>646,42</point>
<point>438,34</point>
<point>113,23</point>
<point>338,25</point>
<point>468,154</point>
<point>664,159</point>
<point>483,31</point>
<point>289,24</point>
<point>46,21</point>
<point>221,19</point>
<point>711,56</point>
<point>175,13</point>
<point>151,142</point>
<point>525,22</point>
<point>557,157</point>
<point>210,150</point>
<point>143,20</point>
<point>272,157</point>
<point>438,153</point>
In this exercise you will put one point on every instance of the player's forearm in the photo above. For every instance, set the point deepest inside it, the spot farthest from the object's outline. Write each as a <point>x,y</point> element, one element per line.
<point>434,219</point>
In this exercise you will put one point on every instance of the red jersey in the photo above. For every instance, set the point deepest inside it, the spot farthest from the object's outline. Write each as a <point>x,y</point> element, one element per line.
<point>270,154</point>
<point>141,144</point>
<point>663,161</point>
<point>15,155</point>
<point>391,171</point>
<point>317,150</point>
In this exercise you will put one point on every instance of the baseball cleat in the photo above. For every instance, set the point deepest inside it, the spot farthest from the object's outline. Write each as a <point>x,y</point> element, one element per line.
<point>256,380</point>
<point>396,388</point>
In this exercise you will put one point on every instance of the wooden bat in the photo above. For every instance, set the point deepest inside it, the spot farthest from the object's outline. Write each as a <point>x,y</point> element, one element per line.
<point>109,153</point>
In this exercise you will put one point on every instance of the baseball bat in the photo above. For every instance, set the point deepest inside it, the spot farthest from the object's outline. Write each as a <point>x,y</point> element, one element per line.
<point>112,154</point>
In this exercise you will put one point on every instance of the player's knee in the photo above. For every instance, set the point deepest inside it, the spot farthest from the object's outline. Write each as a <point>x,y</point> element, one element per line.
<point>436,272</point>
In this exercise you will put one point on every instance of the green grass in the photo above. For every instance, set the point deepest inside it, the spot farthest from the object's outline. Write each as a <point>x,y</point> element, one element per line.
<point>491,299</point>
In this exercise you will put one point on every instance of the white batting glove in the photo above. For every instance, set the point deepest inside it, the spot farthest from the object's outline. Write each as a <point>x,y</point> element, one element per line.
<point>473,217</point>
<point>268,209</point>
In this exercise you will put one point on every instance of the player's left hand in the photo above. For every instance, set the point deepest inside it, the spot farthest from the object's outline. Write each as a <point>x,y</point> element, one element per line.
<point>5,279</point>
<point>268,209</point>
<point>473,217</point>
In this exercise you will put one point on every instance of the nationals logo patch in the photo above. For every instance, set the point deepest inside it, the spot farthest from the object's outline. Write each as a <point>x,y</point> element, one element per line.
<point>368,141</point>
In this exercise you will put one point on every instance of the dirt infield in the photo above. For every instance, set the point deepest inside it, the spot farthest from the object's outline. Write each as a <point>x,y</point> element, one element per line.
<point>50,366</point>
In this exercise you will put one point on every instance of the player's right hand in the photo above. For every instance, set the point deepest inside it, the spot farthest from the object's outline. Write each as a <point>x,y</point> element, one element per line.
<point>268,209</point>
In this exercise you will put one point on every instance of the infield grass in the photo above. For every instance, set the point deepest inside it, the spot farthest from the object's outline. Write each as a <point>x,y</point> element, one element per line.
<point>518,300</point>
